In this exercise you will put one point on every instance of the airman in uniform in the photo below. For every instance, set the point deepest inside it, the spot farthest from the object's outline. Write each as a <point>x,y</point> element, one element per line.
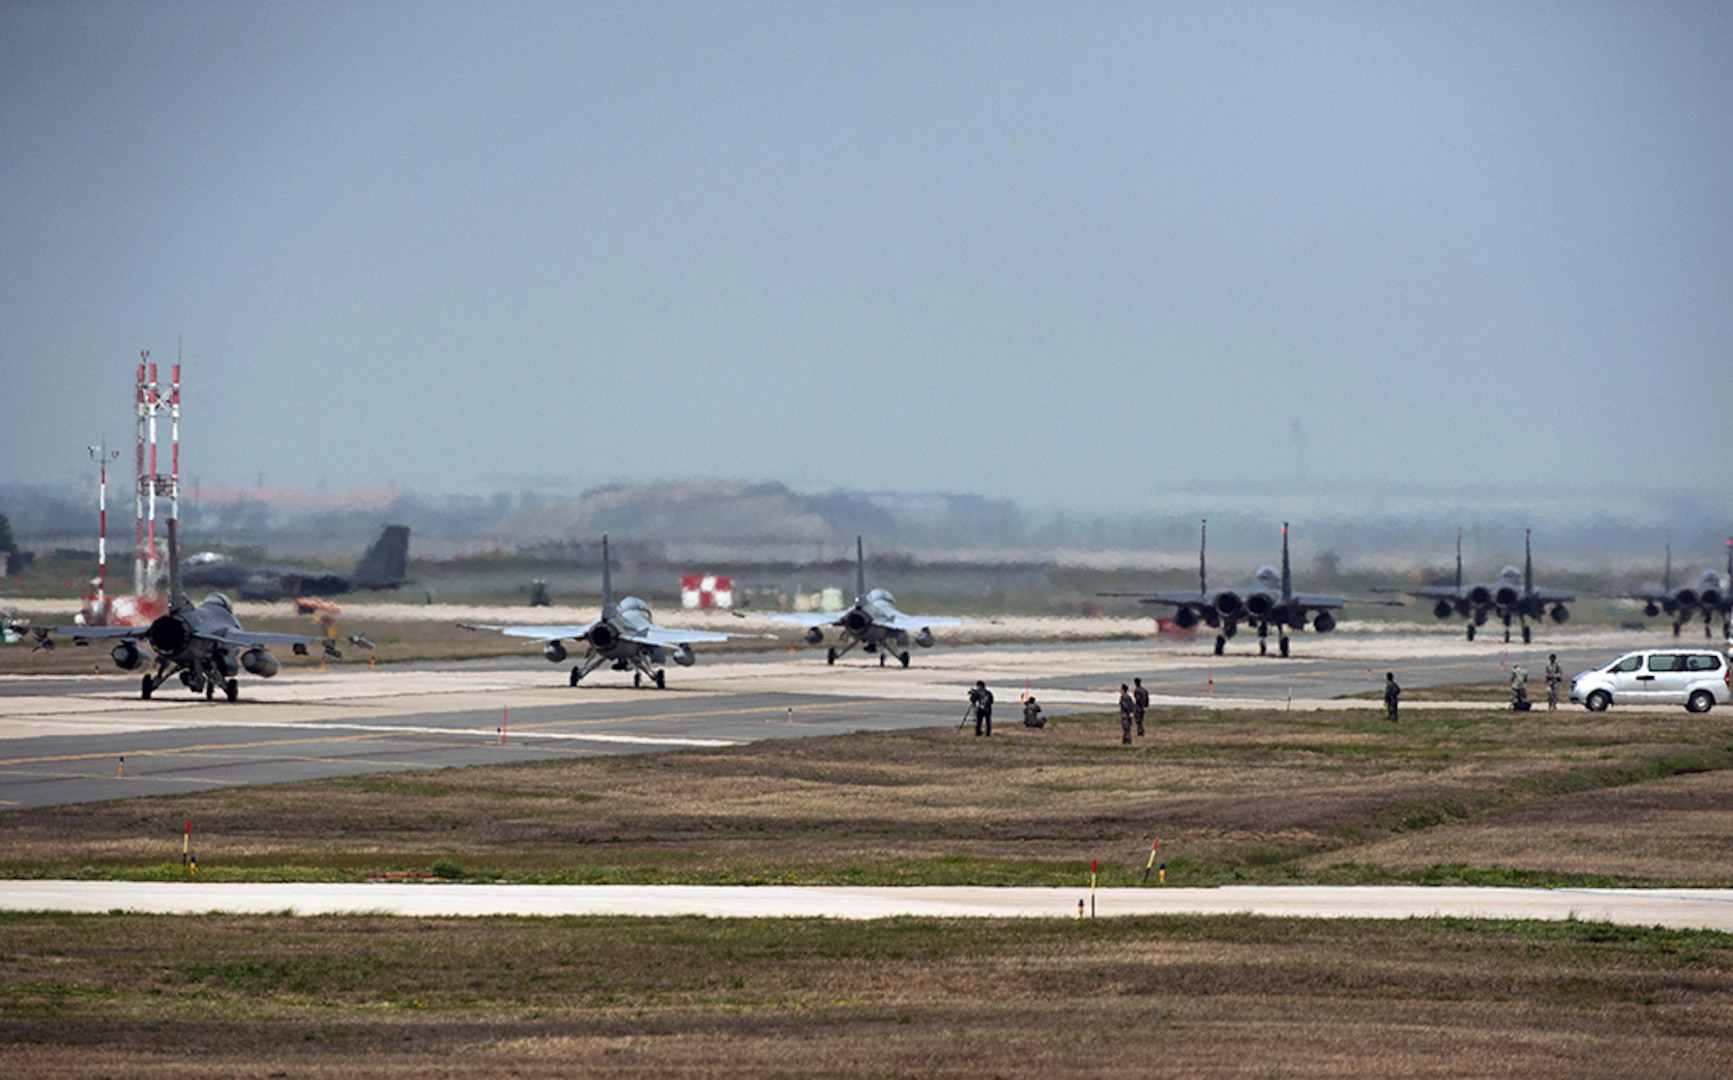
<point>1032,713</point>
<point>1126,707</point>
<point>1140,703</point>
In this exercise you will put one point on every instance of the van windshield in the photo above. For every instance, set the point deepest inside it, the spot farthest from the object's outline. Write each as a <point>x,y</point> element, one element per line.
<point>1629,663</point>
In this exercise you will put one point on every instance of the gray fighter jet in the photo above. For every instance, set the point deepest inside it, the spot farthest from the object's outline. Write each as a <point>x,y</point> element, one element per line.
<point>1512,596</point>
<point>1269,601</point>
<point>623,636</point>
<point>385,565</point>
<point>204,644</point>
<point>873,623</point>
<point>1685,603</point>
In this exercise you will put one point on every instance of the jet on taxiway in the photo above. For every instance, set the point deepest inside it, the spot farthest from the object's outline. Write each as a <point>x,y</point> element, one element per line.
<point>1269,601</point>
<point>1512,596</point>
<point>385,565</point>
<point>1707,599</point>
<point>204,644</point>
<point>623,636</point>
<point>873,623</point>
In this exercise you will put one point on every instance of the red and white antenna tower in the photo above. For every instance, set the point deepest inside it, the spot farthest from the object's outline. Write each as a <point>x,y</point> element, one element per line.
<point>149,402</point>
<point>103,455</point>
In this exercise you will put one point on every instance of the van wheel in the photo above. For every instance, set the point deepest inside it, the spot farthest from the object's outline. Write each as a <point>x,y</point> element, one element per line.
<point>1700,701</point>
<point>1598,701</point>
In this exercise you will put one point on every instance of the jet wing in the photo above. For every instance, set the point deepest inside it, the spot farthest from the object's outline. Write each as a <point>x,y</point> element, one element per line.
<point>1438,592</point>
<point>899,621</point>
<point>661,635</point>
<point>810,618</point>
<point>248,639</point>
<point>1317,602</point>
<point>540,633</point>
<point>1192,598</point>
<point>44,634</point>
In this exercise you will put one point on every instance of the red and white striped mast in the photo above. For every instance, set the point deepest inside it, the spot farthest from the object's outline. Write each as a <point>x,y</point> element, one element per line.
<point>102,454</point>
<point>174,428</point>
<point>141,408</point>
<point>150,534</point>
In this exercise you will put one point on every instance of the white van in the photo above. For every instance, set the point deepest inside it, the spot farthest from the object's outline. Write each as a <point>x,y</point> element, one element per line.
<point>1698,679</point>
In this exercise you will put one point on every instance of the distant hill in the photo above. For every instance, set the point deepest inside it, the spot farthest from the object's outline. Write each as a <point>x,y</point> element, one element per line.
<point>722,511</point>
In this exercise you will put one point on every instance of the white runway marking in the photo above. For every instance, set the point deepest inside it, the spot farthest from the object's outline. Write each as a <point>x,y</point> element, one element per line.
<point>494,733</point>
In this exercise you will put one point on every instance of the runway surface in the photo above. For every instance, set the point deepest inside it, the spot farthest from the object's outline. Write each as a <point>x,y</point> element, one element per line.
<point>87,738</point>
<point>1701,909</point>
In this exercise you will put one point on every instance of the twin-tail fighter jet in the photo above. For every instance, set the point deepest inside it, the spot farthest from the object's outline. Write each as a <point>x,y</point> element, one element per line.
<point>1707,599</point>
<point>873,623</point>
<point>1269,601</point>
<point>1512,596</point>
<point>623,636</point>
<point>202,643</point>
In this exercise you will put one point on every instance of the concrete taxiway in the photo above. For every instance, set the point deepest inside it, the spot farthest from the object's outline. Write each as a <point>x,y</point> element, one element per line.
<point>1700,909</point>
<point>62,739</point>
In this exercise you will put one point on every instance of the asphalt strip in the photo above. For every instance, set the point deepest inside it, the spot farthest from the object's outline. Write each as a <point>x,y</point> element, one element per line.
<point>1693,909</point>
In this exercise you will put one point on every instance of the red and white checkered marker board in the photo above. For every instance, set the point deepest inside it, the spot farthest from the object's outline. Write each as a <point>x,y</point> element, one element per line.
<point>706,591</point>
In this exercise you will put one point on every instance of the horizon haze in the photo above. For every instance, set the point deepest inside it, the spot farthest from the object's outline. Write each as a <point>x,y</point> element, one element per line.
<point>1070,257</point>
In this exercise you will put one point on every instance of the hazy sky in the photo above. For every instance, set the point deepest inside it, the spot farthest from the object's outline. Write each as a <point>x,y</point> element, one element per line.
<point>1065,253</point>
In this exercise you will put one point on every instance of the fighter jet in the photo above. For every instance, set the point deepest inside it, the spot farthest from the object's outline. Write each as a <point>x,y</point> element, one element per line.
<point>204,644</point>
<point>1269,601</point>
<point>873,622</point>
<point>623,636</point>
<point>1512,596</point>
<point>1685,603</point>
<point>385,565</point>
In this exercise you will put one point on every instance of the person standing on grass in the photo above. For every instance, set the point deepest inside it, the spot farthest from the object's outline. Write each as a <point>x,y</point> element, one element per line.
<point>1140,703</point>
<point>1126,707</point>
<point>1392,695</point>
<point>1554,676</point>
<point>982,699</point>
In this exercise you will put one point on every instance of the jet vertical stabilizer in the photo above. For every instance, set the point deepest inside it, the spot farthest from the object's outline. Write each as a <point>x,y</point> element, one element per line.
<point>385,564</point>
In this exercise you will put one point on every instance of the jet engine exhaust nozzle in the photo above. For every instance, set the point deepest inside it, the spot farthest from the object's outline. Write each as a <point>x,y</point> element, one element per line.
<point>856,621</point>
<point>169,635</point>
<point>603,637</point>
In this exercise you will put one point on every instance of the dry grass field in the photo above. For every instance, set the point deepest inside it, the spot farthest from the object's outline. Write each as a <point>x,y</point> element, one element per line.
<point>1489,797</point>
<point>124,995</point>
